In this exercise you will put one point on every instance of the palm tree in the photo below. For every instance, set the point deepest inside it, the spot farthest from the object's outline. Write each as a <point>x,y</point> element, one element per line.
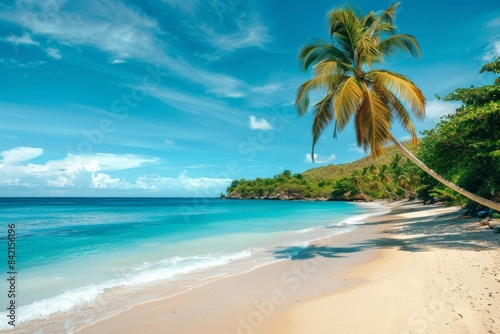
<point>357,180</point>
<point>344,70</point>
<point>402,177</point>
<point>385,181</point>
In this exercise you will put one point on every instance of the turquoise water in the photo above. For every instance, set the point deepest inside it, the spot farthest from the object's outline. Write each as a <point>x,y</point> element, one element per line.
<point>73,251</point>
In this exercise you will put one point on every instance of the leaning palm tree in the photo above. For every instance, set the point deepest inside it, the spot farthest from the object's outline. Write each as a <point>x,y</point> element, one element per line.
<point>344,70</point>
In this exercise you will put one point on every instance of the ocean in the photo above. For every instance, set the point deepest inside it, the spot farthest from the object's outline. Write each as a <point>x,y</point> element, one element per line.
<point>79,260</point>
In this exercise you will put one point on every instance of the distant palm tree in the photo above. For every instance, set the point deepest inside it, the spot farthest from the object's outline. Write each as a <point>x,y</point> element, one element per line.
<point>357,180</point>
<point>403,175</point>
<point>374,98</point>
<point>385,182</point>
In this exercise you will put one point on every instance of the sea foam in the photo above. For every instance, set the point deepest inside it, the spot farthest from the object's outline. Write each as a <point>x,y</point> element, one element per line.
<point>143,274</point>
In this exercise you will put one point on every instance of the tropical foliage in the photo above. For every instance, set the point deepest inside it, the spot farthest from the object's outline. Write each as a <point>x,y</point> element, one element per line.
<point>477,96</point>
<point>283,186</point>
<point>465,147</point>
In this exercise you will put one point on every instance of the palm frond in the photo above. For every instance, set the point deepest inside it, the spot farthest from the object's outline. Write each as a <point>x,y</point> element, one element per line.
<point>399,111</point>
<point>381,22</point>
<point>331,67</point>
<point>367,52</point>
<point>306,49</point>
<point>335,18</point>
<point>401,87</point>
<point>400,43</point>
<point>373,123</point>
<point>302,97</point>
<point>323,116</point>
<point>389,15</point>
<point>346,27</point>
<point>320,50</point>
<point>332,73</point>
<point>346,101</point>
<point>368,19</point>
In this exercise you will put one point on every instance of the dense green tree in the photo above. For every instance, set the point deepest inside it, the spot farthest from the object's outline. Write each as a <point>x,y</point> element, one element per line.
<point>465,146</point>
<point>344,189</point>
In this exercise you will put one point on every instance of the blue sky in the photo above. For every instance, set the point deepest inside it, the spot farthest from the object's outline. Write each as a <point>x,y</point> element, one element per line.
<point>177,98</point>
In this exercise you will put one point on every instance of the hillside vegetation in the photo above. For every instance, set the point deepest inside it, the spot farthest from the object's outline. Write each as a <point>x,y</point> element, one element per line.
<point>342,170</point>
<point>389,176</point>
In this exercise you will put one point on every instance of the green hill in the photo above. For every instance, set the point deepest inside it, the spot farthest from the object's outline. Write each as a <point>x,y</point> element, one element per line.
<point>330,172</point>
<point>351,181</point>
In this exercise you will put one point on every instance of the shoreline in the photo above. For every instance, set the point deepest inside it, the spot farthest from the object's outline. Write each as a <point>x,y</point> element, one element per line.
<point>284,275</point>
<point>262,267</point>
<point>300,295</point>
<point>110,303</point>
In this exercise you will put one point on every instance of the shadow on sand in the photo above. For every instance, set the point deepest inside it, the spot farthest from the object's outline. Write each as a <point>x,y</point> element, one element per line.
<point>409,234</point>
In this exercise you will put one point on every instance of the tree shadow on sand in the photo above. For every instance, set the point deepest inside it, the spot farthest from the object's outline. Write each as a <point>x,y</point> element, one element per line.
<point>309,252</point>
<point>410,235</point>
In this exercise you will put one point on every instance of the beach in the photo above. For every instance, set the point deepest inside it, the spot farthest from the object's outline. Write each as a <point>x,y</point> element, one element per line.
<point>250,167</point>
<point>417,269</point>
<point>83,260</point>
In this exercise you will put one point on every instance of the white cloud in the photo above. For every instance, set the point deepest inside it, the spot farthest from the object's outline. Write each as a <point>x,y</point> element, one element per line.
<point>244,30</point>
<point>54,53</point>
<point>20,154</point>
<point>72,170</point>
<point>197,104</point>
<point>492,51</point>
<point>259,124</point>
<point>93,172</point>
<point>118,61</point>
<point>21,40</point>
<point>102,180</point>
<point>494,23</point>
<point>61,182</point>
<point>435,109</point>
<point>201,186</point>
<point>218,84</point>
<point>113,162</point>
<point>267,89</point>
<point>319,159</point>
<point>108,25</point>
<point>14,63</point>
<point>122,31</point>
<point>253,36</point>
<point>188,7</point>
<point>169,141</point>
<point>353,147</point>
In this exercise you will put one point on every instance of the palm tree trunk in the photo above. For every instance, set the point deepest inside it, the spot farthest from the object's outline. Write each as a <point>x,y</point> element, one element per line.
<point>408,193</point>
<point>483,201</point>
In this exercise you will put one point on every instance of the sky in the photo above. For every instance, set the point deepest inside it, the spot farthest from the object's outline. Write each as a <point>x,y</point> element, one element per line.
<point>178,98</point>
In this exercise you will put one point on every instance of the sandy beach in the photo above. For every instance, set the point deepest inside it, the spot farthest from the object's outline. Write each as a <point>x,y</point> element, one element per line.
<point>418,269</point>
